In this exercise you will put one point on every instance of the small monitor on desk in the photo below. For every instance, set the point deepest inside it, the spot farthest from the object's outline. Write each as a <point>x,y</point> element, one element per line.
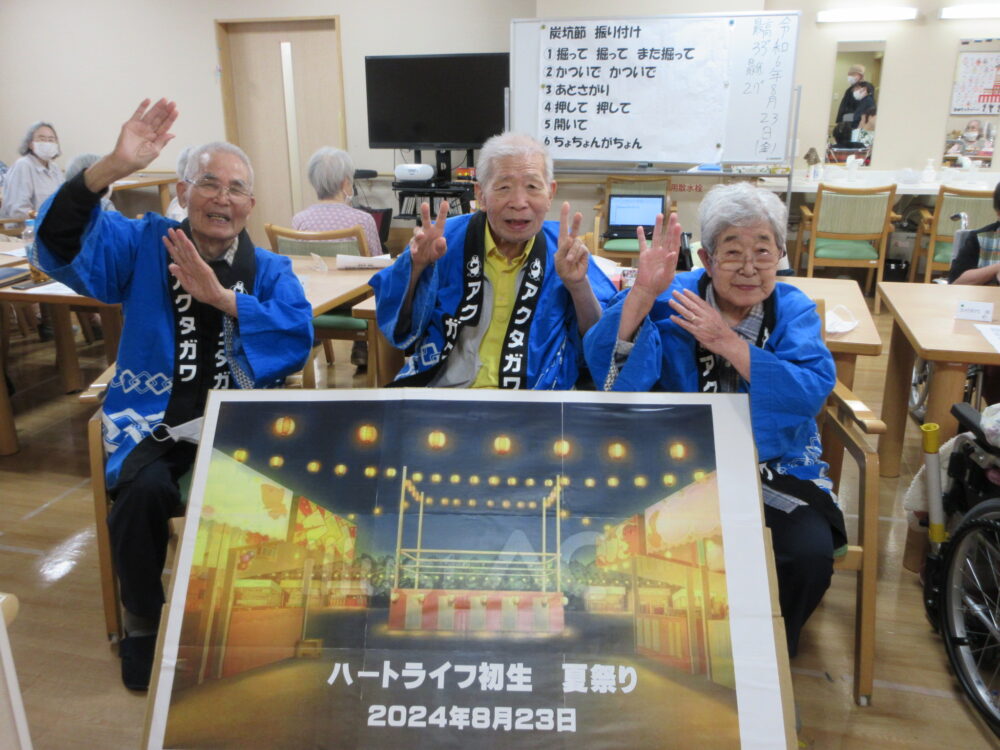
<point>626,212</point>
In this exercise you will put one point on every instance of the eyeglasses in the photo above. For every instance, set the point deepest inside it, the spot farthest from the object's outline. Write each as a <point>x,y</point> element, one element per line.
<point>735,260</point>
<point>209,188</point>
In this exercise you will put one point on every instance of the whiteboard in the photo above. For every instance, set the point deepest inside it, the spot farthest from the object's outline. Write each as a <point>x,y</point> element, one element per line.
<point>667,89</point>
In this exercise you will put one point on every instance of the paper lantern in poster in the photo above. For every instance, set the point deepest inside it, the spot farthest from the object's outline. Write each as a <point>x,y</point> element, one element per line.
<point>340,470</point>
<point>501,445</point>
<point>377,511</point>
<point>283,426</point>
<point>678,451</point>
<point>529,482</point>
<point>561,448</point>
<point>313,466</point>
<point>474,479</point>
<point>698,475</point>
<point>367,434</point>
<point>585,521</point>
<point>589,482</point>
<point>371,471</point>
<point>436,478</point>
<point>436,440</point>
<point>276,462</point>
<point>455,479</point>
<point>512,481</point>
<point>494,481</point>
<point>417,476</point>
<point>617,451</point>
<point>240,455</point>
<point>669,480</point>
<point>612,481</point>
<point>390,472</point>
<point>640,481</point>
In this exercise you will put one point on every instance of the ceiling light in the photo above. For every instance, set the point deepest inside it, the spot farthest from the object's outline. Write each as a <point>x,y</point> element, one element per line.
<point>972,10</point>
<point>875,13</point>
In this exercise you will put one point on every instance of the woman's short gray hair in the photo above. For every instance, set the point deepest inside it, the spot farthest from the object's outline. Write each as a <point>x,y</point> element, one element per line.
<point>740,205</point>
<point>25,146</point>
<point>328,168</point>
<point>198,160</point>
<point>510,144</point>
<point>80,163</point>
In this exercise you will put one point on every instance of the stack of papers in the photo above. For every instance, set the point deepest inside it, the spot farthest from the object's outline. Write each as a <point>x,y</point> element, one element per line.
<point>348,262</point>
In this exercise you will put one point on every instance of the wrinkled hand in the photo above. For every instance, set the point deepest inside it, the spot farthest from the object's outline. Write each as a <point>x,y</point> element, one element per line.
<point>572,257</point>
<point>195,275</point>
<point>144,135</point>
<point>658,259</point>
<point>703,321</point>
<point>428,243</point>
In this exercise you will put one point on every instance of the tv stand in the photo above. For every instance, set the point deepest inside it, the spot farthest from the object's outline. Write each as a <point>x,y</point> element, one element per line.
<point>442,165</point>
<point>412,194</point>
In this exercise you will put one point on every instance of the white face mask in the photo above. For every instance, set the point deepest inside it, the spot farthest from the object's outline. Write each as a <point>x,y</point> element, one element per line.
<point>851,80</point>
<point>859,95</point>
<point>45,149</point>
<point>970,135</point>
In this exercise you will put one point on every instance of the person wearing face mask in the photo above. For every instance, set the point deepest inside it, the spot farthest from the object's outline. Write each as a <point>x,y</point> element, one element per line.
<point>848,104</point>
<point>972,141</point>
<point>35,176</point>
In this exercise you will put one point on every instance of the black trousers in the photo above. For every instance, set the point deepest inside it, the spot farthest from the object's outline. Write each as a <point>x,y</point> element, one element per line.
<point>803,556</point>
<point>139,532</point>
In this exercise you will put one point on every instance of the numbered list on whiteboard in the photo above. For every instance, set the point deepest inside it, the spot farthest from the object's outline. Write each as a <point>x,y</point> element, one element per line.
<point>664,89</point>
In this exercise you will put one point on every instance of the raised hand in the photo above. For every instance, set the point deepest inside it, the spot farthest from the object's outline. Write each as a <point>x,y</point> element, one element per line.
<point>195,275</point>
<point>572,258</point>
<point>144,134</point>
<point>428,243</point>
<point>658,260</point>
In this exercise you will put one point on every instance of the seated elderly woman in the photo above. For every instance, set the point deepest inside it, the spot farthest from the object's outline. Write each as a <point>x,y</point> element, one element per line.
<point>35,176</point>
<point>730,328</point>
<point>331,173</point>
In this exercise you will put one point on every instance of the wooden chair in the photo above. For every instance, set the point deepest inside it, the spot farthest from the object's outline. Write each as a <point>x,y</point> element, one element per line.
<point>939,230</point>
<point>110,597</point>
<point>849,227</point>
<point>846,423</point>
<point>337,324</point>
<point>625,250</point>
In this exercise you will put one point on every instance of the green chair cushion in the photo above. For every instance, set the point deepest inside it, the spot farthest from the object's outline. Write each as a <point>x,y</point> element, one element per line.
<point>845,249</point>
<point>184,483</point>
<point>334,322</point>
<point>942,252</point>
<point>622,246</point>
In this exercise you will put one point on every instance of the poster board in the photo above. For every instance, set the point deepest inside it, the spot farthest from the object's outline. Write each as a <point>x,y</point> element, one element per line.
<point>667,89</point>
<point>976,90</point>
<point>437,581</point>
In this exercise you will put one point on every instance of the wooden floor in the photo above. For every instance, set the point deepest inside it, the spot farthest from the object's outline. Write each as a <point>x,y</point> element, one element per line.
<point>69,675</point>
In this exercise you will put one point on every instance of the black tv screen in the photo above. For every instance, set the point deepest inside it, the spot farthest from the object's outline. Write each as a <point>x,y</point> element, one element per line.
<point>436,101</point>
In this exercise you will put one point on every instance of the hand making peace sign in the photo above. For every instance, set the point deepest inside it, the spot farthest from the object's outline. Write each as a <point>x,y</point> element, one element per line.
<point>428,243</point>
<point>572,257</point>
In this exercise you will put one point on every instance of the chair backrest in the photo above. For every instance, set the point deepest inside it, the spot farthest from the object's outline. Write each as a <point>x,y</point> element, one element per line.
<point>862,213</point>
<point>383,222</point>
<point>976,204</point>
<point>285,241</point>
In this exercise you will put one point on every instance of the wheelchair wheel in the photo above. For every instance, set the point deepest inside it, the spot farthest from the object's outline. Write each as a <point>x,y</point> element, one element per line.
<point>970,612</point>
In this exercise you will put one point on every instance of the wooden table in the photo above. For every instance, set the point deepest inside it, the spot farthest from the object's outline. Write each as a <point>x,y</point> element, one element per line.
<point>924,325</point>
<point>845,347</point>
<point>160,180</point>
<point>384,360</point>
<point>979,180</point>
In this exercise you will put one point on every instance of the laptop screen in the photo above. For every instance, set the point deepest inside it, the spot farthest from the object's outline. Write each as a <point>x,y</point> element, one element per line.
<point>631,211</point>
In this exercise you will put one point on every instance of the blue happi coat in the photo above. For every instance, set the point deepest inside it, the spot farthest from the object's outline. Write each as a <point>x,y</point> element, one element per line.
<point>791,374</point>
<point>124,261</point>
<point>555,349</point>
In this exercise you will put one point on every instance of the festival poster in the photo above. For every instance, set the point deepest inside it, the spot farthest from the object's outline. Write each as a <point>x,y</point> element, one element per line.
<point>435,569</point>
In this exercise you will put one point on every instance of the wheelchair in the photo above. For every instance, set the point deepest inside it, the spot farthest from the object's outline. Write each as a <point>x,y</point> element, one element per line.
<point>962,577</point>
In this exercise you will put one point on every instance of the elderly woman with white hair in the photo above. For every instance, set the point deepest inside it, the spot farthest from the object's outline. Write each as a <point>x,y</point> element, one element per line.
<point>35,176</point>
<point>331,173</point>
<point>731,328</point>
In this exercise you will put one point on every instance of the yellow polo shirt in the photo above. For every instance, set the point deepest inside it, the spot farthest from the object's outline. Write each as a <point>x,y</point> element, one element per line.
<point>502,275</point>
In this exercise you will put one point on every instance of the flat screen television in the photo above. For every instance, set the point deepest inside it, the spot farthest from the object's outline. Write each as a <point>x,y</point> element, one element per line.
<point>436,101</point>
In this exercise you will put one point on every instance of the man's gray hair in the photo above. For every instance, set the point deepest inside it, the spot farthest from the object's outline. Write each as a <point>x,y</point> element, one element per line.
<point>198,160</point>
<point>182,160</point>
<point>506,145</point>
<point>25,146</point>
<point>328,168</point>
<point>740,205</point>
<point>80,163</point>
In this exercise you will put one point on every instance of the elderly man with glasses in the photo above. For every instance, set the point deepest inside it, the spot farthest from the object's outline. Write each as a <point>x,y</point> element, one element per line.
<point>731,328</point>
<point>204,309</point>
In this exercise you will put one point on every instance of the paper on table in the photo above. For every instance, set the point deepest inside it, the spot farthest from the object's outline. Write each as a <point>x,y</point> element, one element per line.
<point>55,287</point>
<point>347,262</point>
<point>991,332</point>
<point>607,265</point>
<point>17,252</point>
